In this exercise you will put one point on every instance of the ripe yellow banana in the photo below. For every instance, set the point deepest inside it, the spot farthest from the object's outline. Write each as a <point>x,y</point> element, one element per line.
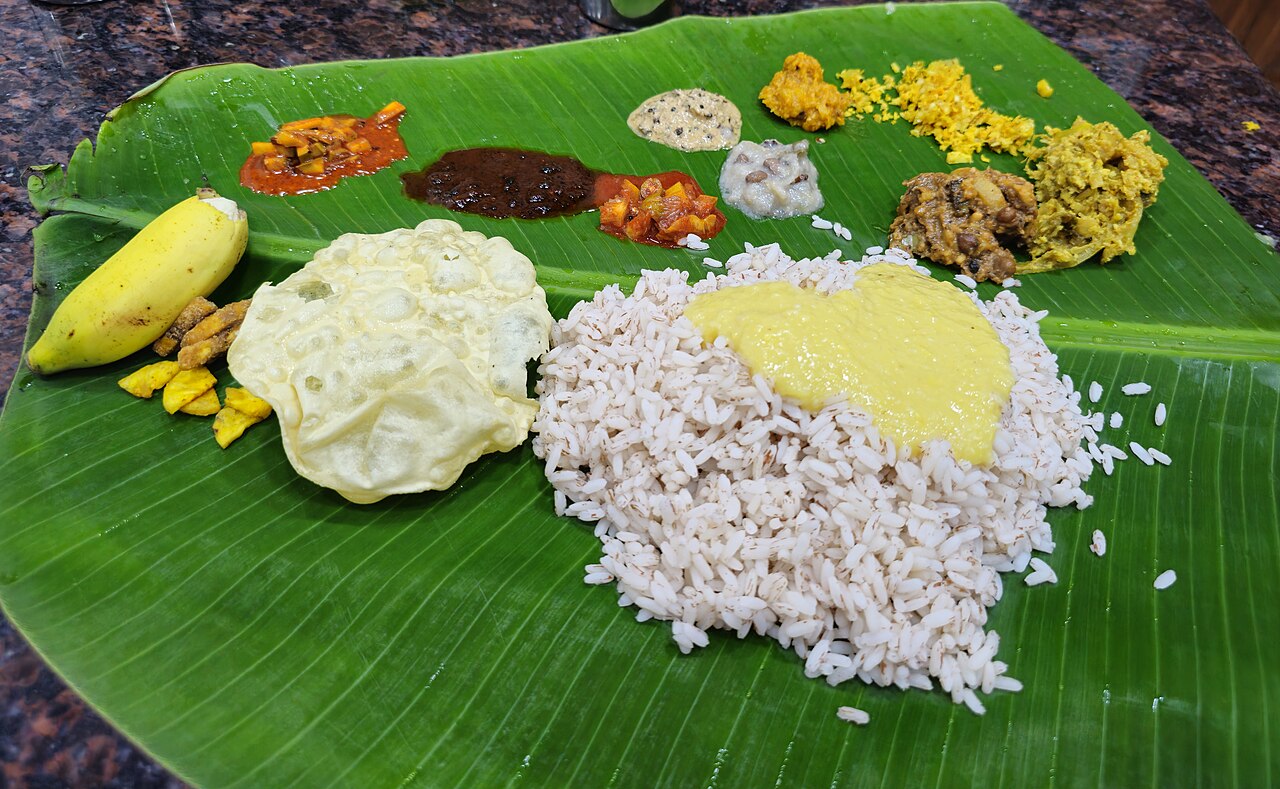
<point>128,302</point>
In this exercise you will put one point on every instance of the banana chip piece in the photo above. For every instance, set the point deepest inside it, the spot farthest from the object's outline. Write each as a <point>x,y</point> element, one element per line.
<point>230,424</point>
<point>246,403</point>
<point>186,386</point>
<point>205,405</point>
<point>144,382</point>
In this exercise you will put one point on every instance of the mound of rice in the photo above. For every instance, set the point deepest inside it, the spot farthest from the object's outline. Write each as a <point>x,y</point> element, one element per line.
<point>721,505</point>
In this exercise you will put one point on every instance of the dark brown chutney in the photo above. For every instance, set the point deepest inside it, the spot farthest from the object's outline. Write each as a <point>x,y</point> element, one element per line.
<point>505,182</point>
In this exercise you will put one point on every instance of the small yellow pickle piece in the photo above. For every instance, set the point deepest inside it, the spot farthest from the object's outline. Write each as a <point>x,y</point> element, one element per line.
<point>144,382</point>
<point>186,386</point>
<point>246,403</point>
<point>230,424</point>
<point>1044,89</point>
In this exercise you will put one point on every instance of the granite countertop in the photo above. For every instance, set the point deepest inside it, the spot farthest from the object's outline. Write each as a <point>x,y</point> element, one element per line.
<point>65,67</point>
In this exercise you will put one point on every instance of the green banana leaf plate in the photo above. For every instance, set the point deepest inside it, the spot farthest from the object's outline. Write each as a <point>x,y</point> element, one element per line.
<point>250,629</point>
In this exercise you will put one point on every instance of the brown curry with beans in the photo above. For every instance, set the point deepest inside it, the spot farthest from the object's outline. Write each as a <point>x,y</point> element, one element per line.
<point>965,219</point>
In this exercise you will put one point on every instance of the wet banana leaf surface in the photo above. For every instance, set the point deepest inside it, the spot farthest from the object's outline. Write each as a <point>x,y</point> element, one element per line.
<point>251,629</point>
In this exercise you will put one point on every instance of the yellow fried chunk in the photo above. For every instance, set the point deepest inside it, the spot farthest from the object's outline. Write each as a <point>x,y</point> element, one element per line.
<point>221,320</point>
<point>144,382</point>
<point>205,405</point>
<point>230,424</point>
<point>195,311</point>
<point>186,386</point>
<point>1044,89</point>
<point>246,403</point>
<point>200,353</point>
<point>799,95</point>
<point>212,336</point>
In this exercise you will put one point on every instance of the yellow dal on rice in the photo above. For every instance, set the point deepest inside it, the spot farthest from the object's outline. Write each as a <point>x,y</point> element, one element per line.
<point>914,353</point>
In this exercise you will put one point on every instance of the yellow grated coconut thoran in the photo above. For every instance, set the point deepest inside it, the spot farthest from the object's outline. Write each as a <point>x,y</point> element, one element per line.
<point>938,100</point>
<point>868,94</point>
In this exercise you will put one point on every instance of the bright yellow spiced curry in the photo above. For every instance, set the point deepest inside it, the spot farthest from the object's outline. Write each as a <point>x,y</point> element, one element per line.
<point>891,345</point>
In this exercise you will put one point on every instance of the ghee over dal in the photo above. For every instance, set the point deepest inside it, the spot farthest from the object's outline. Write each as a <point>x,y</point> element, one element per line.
<point>914,353</point>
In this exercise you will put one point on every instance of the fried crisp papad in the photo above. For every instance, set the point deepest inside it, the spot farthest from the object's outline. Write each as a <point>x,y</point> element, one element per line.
<point>965,219</point>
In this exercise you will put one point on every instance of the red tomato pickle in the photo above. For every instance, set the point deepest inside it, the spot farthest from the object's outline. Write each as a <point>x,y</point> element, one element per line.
<point>314,154</point>
<point>656,209</point>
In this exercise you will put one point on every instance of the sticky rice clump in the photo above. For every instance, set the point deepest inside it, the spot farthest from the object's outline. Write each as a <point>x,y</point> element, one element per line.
<point>721,505</point>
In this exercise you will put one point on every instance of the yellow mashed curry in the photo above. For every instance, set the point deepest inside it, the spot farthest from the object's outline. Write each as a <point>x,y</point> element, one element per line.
<point>913,352</point>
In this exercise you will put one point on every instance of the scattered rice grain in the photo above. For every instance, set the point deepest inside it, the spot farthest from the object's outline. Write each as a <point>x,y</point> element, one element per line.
<point>1041,573</point>
<point>1140,452</point>
<point>1099,543</point>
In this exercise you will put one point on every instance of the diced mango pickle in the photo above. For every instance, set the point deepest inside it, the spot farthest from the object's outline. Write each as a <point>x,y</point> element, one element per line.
<point>388,112</point>
<point>144,382</point>
<point>305,123</point>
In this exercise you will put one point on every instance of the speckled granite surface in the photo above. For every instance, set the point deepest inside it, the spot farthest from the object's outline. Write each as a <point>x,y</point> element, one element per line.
<point>62,68</point>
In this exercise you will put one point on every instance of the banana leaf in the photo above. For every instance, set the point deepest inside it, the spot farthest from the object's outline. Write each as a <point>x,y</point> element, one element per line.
<point>250,629</point>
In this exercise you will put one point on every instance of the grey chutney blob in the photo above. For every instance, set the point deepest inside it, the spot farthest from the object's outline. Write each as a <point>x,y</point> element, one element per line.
<point>770,180</point>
